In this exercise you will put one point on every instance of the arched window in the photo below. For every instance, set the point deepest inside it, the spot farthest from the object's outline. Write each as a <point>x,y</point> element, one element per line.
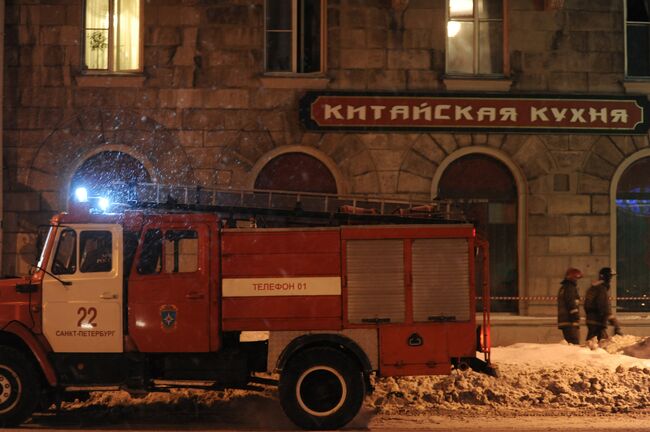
<point>488,189</point>
<point>100,173</point>
<point>633,236</point>
<point>298,172</point>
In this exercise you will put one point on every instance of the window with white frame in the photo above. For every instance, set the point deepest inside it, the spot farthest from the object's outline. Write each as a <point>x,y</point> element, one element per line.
<point>294,36</point>
<point>637,37</point>
<point>112,40</point>
<point>475,37</point>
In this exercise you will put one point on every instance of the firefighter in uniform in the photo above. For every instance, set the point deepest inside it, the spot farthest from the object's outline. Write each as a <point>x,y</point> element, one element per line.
<point>599,308</point>
<point>568,299</point>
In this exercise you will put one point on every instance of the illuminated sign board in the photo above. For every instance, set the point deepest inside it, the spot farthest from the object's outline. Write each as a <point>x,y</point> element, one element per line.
<point>475,113</point>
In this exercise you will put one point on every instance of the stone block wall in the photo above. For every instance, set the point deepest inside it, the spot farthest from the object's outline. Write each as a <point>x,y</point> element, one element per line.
<point>572,227</point>
<point>578,48</point>
<point>202,112</point>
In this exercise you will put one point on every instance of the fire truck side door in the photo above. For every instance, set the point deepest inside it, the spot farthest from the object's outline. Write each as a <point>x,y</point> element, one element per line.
<point>169,296</point>
<point>86,315</point>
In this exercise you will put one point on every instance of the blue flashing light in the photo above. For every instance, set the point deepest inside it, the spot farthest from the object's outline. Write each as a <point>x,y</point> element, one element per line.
<point>103,204</point>
<point>81,194</point>
<point>637,201</point>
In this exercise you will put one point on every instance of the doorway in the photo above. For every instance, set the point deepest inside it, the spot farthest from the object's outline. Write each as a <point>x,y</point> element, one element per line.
<point>633,237</point>
<point>487,191</point>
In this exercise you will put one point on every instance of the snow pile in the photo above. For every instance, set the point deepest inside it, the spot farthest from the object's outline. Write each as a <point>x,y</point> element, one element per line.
<point>579,387</point>
<point>533,377</point>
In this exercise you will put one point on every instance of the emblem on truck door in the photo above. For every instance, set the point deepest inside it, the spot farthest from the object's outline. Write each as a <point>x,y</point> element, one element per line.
<point>415,340</point>
<point>168,317</point>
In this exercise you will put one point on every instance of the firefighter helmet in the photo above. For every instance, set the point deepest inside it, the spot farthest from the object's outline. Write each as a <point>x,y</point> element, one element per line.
<point>572,274</point>
<point>606,274</point>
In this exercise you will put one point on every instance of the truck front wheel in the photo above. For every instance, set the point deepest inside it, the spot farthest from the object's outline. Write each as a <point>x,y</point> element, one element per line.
<point>19,387</point>
<point>321,388</point>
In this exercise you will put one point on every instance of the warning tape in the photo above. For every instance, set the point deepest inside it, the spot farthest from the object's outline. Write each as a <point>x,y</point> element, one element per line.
<point>554,298</point>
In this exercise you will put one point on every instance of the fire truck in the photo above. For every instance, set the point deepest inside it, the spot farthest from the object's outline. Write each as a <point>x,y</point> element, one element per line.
<point>166,293</point>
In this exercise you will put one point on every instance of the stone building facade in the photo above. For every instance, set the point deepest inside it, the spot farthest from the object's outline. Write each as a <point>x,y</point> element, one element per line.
<point>205,109</point>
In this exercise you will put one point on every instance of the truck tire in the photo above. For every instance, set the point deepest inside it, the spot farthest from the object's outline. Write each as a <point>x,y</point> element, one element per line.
<point>321,388</point>
<point>19,387</point>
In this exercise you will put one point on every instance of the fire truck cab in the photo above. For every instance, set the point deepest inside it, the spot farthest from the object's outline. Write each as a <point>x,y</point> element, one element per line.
<point>141,300</point>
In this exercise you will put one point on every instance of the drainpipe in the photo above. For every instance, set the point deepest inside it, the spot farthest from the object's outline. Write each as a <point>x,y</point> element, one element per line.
<point>2,71</point>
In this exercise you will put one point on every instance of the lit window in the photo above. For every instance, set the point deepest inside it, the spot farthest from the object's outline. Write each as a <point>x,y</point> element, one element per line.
<point>112,35</point>
<point>637,29</point>
<point>294,30</point>
<point>475,37</point>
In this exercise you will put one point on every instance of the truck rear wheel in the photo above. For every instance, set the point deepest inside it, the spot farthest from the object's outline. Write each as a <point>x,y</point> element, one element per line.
<point>321,388</point>
<point>19,387</point>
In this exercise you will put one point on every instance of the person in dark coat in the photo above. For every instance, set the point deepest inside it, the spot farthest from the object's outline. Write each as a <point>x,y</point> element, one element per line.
<point>599,308</point>
<point>568,299</point>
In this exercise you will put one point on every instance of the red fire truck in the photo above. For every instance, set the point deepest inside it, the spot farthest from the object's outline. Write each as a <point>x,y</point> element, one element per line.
<point>141,299</point>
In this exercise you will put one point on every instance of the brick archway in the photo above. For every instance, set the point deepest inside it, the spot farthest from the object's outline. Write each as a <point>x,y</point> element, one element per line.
<point>296,171</point>
<point>99,173</point>
<point>311,156</point>
<point>96,131</point>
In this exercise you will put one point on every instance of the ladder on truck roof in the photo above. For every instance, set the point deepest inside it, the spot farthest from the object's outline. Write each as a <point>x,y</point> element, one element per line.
<point>286,208</point>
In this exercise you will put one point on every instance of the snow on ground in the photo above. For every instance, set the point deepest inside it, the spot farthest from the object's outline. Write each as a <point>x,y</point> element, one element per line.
<point>611,378</point>
<point>627,351</point>
<point>535,379</point>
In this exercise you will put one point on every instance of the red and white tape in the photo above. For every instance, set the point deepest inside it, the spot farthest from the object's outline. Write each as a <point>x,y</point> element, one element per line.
<point>554,298</point>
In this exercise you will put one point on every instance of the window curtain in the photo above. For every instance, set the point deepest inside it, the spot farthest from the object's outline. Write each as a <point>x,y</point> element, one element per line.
<point>127,34</point>
<point>96,37</point>
<point>491,37</point>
